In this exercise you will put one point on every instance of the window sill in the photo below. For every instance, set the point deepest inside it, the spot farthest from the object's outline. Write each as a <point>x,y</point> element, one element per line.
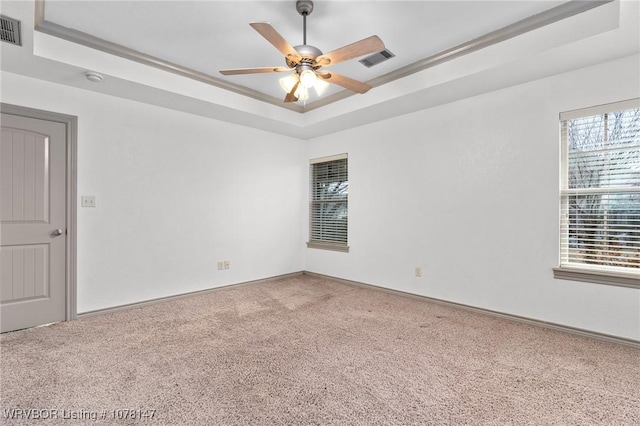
<point>328,246</point>
<point>598,277</point>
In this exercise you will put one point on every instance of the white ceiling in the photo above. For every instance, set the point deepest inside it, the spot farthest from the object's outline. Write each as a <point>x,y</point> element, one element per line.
<point>206,36</point>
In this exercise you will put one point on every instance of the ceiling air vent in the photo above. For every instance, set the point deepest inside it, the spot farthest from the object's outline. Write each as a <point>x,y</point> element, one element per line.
<point>376,58</point>
<point>10,30</point>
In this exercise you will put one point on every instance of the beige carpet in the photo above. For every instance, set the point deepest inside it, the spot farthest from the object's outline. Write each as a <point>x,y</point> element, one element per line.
<point>304,350</point>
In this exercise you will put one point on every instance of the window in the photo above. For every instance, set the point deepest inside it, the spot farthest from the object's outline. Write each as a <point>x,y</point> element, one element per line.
<point>600,194</point>
<point>328,207</point>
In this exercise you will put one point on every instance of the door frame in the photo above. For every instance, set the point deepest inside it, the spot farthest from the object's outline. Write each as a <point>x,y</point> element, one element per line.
<point>71,125</point>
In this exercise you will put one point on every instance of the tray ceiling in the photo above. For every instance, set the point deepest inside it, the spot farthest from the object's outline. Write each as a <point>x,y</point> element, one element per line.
<point>207,36</point>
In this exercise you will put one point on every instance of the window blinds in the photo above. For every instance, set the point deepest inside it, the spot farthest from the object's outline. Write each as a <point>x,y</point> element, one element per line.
<point>600,192</point>
<point>329,198</point>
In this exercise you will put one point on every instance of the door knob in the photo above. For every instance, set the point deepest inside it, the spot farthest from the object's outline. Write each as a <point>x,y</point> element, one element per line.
<point>57,232</point>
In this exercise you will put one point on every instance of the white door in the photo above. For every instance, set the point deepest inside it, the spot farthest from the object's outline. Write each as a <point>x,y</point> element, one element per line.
<point>32,222</point>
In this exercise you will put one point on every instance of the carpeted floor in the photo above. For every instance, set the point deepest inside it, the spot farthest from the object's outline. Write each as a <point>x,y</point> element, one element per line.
<point>304,350</point>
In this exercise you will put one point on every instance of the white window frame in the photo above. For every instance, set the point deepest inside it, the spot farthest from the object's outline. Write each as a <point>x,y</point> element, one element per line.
<point>327,244</point>
<point>620,276</point>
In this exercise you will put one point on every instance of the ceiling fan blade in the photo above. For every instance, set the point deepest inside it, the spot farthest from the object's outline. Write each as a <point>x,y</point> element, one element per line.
<point>346,82</point>
<point>254,70</point>
<point>267,31</point>
<point>366,46</point>
<point>291,97</point>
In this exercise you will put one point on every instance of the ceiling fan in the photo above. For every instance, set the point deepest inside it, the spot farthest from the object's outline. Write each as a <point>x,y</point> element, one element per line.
<point>306,60</point>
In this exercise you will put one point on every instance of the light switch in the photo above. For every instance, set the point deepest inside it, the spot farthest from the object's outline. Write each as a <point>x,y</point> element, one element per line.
<point>88,201</point>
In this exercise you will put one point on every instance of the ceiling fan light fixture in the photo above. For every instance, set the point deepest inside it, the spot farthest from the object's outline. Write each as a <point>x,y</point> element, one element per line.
<point>302,93</point>
<point>288,82</point>
<point>320,86</point>
<point>308,78</point>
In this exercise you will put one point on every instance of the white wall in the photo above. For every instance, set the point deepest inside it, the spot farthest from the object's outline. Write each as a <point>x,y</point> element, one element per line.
<point>469,192</point>
<point>175,194</point>
<point>447,189</point>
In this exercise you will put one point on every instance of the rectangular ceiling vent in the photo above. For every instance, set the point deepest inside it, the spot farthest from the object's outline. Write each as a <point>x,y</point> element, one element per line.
<point>10,30</point>
<point>376,58</point>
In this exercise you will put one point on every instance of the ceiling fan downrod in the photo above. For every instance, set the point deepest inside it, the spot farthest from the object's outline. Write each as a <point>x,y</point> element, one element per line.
<point>304,8</point>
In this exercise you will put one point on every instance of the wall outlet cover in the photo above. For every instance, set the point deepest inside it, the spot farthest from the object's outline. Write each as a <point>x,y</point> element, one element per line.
<point>88,201</point>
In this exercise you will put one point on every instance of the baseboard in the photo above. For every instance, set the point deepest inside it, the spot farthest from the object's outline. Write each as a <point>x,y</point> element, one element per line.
<point>530,321</point>
<point>181,296</point>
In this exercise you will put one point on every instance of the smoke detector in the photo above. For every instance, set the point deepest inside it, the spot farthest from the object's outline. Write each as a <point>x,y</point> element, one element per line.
<point>93,77</point>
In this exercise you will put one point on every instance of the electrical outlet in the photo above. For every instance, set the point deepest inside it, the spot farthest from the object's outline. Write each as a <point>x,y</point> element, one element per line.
<point>418,271</point>
<point>220,266</point>
<point>227,264</point>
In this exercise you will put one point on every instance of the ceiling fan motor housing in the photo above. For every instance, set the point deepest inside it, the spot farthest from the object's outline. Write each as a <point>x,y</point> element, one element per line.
<point>308,54</point>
